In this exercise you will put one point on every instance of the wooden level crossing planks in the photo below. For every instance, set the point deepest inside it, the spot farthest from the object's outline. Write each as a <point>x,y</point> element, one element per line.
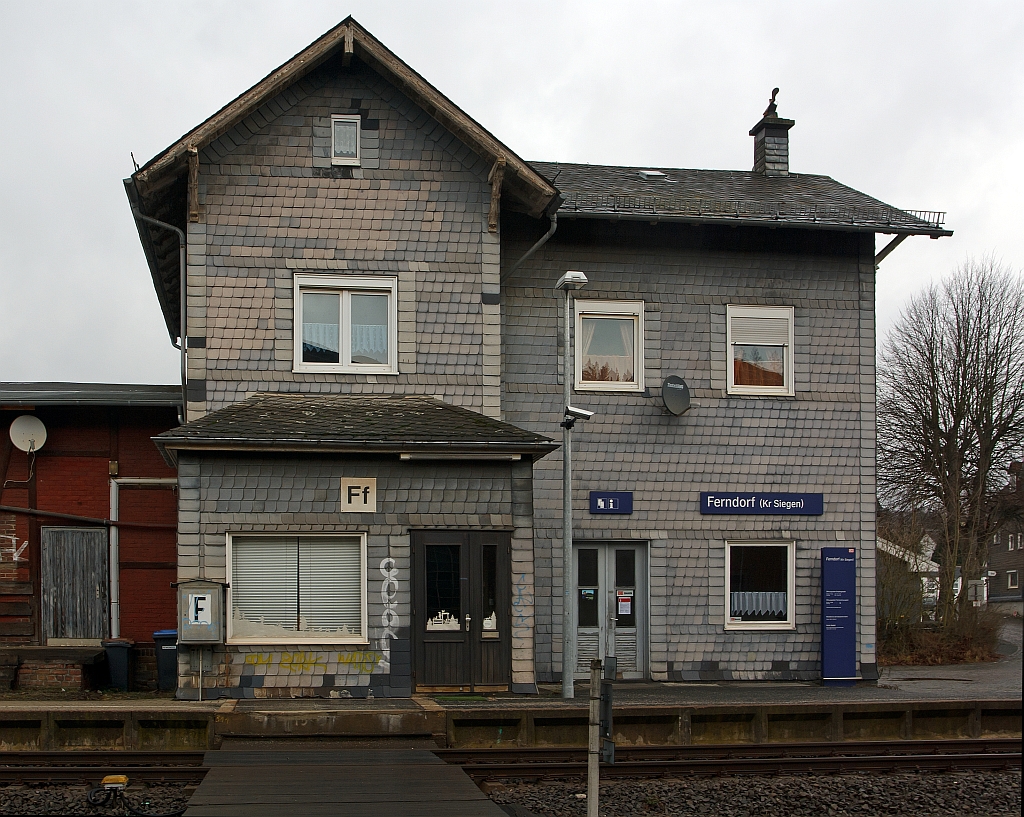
<point>346,782</point>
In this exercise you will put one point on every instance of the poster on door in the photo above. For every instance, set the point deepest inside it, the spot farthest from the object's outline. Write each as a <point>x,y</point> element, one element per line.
<point>624,599</point>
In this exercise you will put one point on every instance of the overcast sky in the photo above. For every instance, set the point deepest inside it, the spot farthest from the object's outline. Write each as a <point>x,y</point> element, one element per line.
<point>920,105</point>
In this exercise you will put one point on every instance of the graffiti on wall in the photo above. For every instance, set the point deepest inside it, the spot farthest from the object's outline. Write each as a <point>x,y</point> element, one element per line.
<point>9,547</point>
<point>522,608</point>
<point>389,618</point>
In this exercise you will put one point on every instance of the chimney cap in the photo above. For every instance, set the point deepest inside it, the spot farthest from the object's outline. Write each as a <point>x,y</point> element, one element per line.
<point>771,118</point>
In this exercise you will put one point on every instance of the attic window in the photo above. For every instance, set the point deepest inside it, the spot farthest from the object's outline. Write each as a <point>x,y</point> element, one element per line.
<point>344,139</point>
<point>647,175</point>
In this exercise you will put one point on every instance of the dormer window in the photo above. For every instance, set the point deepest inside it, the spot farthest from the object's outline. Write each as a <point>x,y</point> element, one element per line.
<point>344,139</point>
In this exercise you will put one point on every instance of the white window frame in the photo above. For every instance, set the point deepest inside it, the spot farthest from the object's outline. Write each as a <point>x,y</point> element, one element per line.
<point>790,622</point>
<point>746,311</point>
<point>1011,580</point>
<point>299,637</point>
<point>610,309</point>
<point>342,284</point>
<point>342,160</point>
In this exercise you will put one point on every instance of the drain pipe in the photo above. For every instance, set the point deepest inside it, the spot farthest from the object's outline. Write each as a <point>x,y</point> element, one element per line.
<point>181,288</point>
<point>543,240</point>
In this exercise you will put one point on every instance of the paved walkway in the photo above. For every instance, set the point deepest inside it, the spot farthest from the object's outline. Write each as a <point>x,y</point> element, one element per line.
<point>1000,680</point>
<point>368,780</point>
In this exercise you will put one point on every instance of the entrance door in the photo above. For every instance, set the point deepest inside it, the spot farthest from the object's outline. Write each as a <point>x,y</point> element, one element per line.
<point>75,583</point>
<point>611,607</point>
<point>462,611</point>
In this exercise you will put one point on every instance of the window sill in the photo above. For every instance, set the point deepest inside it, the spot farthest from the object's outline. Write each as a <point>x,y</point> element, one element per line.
<point>759,625</point>
<point>329,368</point>
<point>610,388</point>
<point>734,392</point>
<point>352,641</point>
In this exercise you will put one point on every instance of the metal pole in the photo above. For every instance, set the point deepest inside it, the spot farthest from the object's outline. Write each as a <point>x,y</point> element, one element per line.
<point>594,744</point>
<point>568,628</point>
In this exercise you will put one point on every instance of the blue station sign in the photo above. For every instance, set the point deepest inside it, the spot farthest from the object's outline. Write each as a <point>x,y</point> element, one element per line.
<point>735,502</point>
<point>838,616</point>
<point>611,502</point>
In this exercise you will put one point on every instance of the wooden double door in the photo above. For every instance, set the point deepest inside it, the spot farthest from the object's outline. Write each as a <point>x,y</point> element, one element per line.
<point>462,635</point>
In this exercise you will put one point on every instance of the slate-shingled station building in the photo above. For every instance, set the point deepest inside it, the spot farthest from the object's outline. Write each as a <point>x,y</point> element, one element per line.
<point>373,368</point>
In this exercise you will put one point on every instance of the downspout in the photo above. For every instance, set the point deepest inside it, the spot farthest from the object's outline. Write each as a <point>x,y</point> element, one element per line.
<point>182,289</point>
<point>543,240</point>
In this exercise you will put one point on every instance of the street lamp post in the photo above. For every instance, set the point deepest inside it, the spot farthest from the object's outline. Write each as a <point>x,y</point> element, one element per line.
<point>568,283</point>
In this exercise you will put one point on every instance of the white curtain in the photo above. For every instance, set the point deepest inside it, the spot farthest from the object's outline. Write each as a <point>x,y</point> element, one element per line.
<point>757,604</point>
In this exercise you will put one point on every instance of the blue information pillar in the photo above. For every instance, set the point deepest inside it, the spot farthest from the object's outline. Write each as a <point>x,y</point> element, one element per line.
<point>838,616</point>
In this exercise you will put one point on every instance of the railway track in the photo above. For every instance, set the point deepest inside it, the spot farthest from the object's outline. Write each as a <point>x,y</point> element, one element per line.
<point>674,761</point>
<point>88,767</point>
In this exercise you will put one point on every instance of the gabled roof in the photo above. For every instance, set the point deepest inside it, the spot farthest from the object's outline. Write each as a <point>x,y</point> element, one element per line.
<point>89,394</point>
<point>728,196</point>
<point>521,182</point>
<point>353,424</point>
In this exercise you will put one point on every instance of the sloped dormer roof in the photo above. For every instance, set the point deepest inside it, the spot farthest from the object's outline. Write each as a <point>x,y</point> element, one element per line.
<point>159,188</point>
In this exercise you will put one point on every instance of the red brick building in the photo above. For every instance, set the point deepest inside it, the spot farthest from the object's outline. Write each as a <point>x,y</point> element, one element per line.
<point>97,493</point>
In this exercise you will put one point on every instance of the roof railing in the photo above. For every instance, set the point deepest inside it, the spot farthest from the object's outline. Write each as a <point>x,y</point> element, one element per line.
<point>740,208</point>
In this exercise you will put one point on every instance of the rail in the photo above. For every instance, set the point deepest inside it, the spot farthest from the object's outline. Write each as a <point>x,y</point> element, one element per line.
<point>669,761</point>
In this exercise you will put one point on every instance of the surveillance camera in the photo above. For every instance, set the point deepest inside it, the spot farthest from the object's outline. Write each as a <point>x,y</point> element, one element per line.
<point>578,413</point>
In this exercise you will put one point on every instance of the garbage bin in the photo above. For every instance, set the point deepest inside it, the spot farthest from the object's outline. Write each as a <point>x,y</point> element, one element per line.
<point>118,652</point>
<point>166,659</point>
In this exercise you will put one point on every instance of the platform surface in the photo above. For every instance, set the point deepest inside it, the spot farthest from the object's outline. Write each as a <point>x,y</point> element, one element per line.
<point>365,780</point>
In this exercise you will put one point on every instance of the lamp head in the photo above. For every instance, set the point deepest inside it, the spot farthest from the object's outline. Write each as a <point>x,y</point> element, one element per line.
<point>571,280</point>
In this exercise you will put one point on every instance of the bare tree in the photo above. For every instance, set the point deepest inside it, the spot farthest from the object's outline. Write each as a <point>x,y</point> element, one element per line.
<point>951,414</point>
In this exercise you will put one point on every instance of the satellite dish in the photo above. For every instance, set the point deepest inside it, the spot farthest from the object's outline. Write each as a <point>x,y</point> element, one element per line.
<point>28,433</point>
<point>676,395</point>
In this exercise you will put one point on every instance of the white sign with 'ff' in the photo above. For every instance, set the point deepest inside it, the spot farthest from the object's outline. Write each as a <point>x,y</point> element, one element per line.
<point>358,495</point>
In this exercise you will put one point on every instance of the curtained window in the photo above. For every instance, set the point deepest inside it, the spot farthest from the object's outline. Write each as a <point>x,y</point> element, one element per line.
<point>345,324</point>
<point>609,345</point>
<point>759,585</point>
<point>344,139</point>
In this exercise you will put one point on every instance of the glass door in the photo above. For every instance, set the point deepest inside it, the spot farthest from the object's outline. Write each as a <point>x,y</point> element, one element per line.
<point>611,615</point>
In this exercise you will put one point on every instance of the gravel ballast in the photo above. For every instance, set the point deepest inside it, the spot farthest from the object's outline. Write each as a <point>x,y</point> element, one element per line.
<point>979,794</point>
<point>65,799</point>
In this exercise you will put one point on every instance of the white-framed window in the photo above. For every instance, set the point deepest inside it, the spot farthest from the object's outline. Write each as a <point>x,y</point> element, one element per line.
<point>300,589</point>
<point>344,139</point>
<point>1011,580</point>
<point>346,323</point>
<point>760,580</point>
<point>609,345</point>
<point>759,340</point>
<point>1009,541</point>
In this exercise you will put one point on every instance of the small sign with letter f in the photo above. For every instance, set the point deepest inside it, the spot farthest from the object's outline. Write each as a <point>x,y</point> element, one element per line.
<point>358,495</point>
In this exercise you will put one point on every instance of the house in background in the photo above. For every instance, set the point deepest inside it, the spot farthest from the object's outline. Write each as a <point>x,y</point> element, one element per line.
<point>87,528</point>
<point>374,352</point>
<point>1006,554</point>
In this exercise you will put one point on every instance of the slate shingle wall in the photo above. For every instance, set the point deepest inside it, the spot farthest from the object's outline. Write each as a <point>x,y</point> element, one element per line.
<point>272,205</point>
<point>821,440</point>
<point>297,495</point>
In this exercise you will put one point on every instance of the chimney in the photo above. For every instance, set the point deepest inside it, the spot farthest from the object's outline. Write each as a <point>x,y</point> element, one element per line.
<point>771,142</point>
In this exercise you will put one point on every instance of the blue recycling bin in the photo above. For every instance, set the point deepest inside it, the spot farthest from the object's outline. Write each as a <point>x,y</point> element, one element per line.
<point>166,659</point>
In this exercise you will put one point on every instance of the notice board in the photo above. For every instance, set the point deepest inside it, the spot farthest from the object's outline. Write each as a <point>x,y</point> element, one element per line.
<point>838,616</point>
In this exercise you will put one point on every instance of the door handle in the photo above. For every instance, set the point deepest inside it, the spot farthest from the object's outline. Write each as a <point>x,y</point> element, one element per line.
<point>468,619</point>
